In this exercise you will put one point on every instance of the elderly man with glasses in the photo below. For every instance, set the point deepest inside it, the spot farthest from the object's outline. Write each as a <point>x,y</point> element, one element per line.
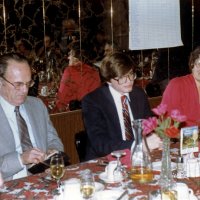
<point>26,133</point>
<point>109,110</point>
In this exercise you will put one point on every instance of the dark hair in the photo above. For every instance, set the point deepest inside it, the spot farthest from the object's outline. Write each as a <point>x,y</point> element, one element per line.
<point>116,65</point>
<point>6,58</point>
<point>194,55</point>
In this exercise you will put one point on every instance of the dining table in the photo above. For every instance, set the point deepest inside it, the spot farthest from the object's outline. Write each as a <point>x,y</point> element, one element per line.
<point>42,186</point>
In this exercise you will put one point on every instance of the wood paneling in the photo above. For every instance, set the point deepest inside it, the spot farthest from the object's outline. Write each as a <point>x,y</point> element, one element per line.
<point>155,101</point>
<point>68,124</point>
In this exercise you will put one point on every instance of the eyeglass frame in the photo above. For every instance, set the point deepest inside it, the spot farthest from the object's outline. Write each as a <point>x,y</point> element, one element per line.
<point>20,84</point>
<point>128,76</point>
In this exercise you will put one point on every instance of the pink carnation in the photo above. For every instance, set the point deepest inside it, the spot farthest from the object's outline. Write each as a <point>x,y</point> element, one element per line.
<point>160,110</point>
<point>176,115</point>
<point>149,125</point>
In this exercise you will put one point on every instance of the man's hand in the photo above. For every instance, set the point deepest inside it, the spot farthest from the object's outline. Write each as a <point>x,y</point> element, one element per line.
<point>33,155</point>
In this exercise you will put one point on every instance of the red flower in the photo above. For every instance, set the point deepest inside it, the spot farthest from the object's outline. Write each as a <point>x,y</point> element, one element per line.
<point>172,132</point>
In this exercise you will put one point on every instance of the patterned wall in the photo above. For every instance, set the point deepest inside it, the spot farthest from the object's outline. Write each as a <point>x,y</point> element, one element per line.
<point>25,19</point>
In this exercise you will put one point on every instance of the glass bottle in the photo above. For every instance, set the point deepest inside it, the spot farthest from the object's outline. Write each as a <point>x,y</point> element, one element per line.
<point>141,166</point>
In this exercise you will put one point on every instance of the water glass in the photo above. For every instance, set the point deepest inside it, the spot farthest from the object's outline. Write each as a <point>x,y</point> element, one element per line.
<point>87,184</point>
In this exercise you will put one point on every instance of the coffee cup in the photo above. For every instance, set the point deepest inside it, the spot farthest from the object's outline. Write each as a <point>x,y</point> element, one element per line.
<point>109,170</point>
<point>193,168</point>
<point>183,192</point>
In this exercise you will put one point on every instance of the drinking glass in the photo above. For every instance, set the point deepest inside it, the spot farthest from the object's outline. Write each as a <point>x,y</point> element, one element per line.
<point>57,168</point>
<point>87,184</point>
<point>118,155</point>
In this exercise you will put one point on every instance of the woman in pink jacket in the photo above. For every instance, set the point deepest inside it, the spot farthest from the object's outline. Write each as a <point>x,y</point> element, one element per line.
<point>183,92</point>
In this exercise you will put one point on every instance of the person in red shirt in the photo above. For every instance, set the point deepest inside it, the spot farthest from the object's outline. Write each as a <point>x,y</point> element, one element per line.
<point>183,93</point>
<point>77,80</point>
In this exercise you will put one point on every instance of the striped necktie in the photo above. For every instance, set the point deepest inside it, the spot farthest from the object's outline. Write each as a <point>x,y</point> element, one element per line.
<point>127,120</point>
<point>23,131</point>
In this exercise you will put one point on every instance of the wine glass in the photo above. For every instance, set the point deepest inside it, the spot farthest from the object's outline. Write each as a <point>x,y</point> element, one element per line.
<point>87,184</point>
<point>120,172</point>
<point>57,168</point>
<point>118,155</point>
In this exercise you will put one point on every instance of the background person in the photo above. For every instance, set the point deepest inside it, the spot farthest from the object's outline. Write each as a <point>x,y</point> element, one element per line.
<point>183,93</point>
<point>102,108</point>
<point>15,80</point>
<point>77,80</point>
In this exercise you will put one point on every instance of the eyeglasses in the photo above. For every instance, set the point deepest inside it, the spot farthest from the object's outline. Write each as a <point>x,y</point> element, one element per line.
<point>19,85</point>
<point>131,76</point>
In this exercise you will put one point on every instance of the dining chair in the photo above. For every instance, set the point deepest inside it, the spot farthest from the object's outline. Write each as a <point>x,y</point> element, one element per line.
<point>81,143</point>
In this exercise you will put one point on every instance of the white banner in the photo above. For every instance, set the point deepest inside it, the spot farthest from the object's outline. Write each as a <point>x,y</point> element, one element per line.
<point>154,24</point>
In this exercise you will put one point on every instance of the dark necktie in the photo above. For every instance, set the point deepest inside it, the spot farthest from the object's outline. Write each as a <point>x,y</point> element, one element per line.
<point>127,119</point>
<point>23,131</point>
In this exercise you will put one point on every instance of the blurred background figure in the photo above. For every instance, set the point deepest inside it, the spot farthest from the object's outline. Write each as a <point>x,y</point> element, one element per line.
<point>78,79</point>
<point>25,48</point>
<point>45,47</point>
<point>69,33</point>
<point>110,47</point>
<point>96,45</point>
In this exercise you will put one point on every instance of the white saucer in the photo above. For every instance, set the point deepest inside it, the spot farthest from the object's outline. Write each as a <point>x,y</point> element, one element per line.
<point>103,177</point>
<point>157,166</point>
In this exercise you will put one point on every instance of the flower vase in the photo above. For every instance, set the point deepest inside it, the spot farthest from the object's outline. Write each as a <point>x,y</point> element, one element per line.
<point>166,180</point>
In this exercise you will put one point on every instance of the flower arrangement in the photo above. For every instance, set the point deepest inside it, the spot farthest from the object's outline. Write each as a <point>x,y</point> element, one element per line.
<point>164,125</point>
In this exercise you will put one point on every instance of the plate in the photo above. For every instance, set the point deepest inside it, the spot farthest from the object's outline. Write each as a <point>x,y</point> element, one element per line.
<point>157,166</point>
<point>109,195</point>
<point>103,177</point>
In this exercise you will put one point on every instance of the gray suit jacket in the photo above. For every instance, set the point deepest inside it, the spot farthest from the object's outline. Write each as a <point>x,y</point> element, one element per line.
<point>44,133</point>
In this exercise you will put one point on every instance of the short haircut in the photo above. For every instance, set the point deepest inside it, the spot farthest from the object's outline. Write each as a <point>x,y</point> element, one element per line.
<point>6,58</point>
<point>116,65</point>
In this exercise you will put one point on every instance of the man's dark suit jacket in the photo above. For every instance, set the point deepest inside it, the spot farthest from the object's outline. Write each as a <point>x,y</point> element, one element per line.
<point>102,122</point>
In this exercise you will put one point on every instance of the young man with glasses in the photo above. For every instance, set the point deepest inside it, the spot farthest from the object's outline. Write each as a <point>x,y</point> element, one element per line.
<point>15,81</point>
<point>102,109</point>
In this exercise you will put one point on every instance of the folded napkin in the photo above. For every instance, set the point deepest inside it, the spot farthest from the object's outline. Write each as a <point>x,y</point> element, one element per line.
<point>125,160</point>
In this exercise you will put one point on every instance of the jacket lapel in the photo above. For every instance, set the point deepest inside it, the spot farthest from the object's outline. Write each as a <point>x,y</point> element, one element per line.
<point>111,107</point>
<point>6,131</point>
